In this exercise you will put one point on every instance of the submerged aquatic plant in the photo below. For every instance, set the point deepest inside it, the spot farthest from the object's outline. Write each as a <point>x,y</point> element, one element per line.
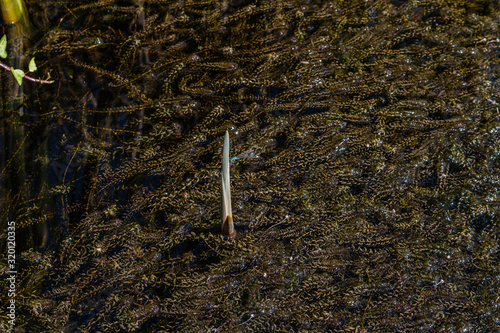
<point>372,207</point>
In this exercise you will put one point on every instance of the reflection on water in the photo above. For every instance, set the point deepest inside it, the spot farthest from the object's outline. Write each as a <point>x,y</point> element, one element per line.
<point>372,203</point>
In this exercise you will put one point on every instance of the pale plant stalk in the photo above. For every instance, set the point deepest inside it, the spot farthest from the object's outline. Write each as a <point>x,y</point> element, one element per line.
<point>227,215</point>
<point>13,12</point>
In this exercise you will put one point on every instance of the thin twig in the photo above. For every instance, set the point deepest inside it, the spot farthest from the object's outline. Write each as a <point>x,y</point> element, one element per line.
<point>27,77</point>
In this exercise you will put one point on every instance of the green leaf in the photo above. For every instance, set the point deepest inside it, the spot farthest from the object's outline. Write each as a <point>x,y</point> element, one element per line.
<point>32,66</point>
<point>18,75</point>
<point>3,47</point>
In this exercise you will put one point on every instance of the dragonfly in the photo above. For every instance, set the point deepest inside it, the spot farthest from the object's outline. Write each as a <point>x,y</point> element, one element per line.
<point>247,154</point>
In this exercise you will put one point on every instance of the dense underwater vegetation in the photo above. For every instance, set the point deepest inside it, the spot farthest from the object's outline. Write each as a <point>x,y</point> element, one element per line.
<point>372,205</point>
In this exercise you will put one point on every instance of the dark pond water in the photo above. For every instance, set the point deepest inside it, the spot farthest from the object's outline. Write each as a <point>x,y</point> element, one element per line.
<point>365,185</point>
